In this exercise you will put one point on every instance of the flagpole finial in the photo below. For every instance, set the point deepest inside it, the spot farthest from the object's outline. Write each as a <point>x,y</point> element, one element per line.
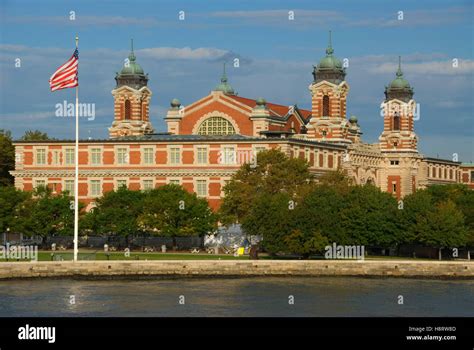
<point>77,40</point>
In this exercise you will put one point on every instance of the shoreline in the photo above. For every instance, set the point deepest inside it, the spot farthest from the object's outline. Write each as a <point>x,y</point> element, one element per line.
<point>236,269</point>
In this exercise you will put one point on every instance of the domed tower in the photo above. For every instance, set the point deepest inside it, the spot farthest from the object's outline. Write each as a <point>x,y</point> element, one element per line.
<point>329,92</point>
<point>131,100</point>
<point>398,109</point>
<point>224,86</point>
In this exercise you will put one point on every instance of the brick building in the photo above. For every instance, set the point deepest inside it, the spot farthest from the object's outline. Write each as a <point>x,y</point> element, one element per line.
<point>208,140</point>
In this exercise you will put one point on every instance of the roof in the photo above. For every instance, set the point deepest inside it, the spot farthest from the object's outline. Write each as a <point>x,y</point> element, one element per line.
<point>189,138</point>
<point>276,110</point>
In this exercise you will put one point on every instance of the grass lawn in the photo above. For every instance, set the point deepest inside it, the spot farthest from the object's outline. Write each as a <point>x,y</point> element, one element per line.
<point>93,255</point>
<point>87,254</point>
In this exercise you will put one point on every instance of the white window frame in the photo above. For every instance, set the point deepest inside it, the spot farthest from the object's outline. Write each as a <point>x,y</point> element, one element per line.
<point>180,154</point>
<point>143,155</point>
<point>224,155</point>
<point>71,193</point>
<point>45,150</point>
<point>146,180</point>
<point>91,194</point>
<point>127,155</point>
<point>196,184</point>
<point>196,152</point>
<point>101,155</point>
<point>66,149</point>
<point>117,180</point>
<point>40,179</point>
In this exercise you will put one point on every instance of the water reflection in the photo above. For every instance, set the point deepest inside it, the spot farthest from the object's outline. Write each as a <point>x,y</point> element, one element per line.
<point>324,296</point>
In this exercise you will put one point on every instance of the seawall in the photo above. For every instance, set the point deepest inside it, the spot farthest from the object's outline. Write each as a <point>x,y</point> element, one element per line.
<point>176,268</point>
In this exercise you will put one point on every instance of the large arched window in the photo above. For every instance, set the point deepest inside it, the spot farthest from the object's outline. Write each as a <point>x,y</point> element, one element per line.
<point>216,126</point>
<point>396,122</point>
<point>325,106</point>
<point>127,109</point>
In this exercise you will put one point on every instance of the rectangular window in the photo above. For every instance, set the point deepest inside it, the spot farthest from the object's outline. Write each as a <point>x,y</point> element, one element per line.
<point>307,155</point>
<point>96,156</point>
<point>40,157</point>
<point>175,155</point>
<point>394,187</point>
<point>202,155</point>
<point>69,156</point>
<point>451,174</point>
<point>56,158</point>
<point>445,173</point>
<point>148,155</point>
<point>229,155</point>
<point>95,189</point>
<point>122,156</point>
<point>69,187</point>
<point>201,188</point>
<point>394,162</point>
<point>40,183</point>
<point>121,183</point>
<point>147,184</point>
<point>472,176</point>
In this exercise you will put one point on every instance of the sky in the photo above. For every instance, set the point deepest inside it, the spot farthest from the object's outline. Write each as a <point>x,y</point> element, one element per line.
<point>184,58</point>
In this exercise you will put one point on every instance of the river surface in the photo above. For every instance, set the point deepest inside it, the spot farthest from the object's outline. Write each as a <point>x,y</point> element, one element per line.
<point>269,296</point>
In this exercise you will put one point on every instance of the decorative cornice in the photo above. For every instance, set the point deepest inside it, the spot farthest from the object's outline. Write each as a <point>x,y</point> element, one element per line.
<point>124,172</point>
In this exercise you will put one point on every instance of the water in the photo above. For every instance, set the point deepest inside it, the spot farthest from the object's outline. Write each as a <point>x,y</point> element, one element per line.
<point>323,296</point>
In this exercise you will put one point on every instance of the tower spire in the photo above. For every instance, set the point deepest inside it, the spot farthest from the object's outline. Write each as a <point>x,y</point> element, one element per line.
<point>329,50</point>
<point>131,57</point>
<point>399,71</point>
<point>224,76</point>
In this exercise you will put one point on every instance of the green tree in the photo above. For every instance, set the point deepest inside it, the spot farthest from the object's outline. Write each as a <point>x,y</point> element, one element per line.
<point>370,217</point>
<point>173,212</point>
<point>14,209</point>
<point>49,214</point>
<point>270,217</point>
<point>35,135</point>
<point>305,245</point>
<point>7,158</point>
<point>274,173</point>
<point>442,227</point>
<point>116,213</point>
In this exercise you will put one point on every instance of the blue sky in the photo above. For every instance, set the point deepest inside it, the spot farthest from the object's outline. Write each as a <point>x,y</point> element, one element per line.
<point>184,58</point>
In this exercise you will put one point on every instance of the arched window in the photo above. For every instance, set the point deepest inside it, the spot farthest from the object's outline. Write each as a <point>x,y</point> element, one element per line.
<point>396,122</point>
<point>127,109</point>
<point>325,106</point>
<point>216,126</point>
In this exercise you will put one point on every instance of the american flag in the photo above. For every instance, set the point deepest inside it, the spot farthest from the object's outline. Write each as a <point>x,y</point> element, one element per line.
<point>66,75</point>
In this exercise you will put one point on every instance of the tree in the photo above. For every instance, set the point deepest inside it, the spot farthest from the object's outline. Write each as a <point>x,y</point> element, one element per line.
<point>370,217</point>
<point>13,209</point>
<point>172,211</point>
<point>305,245</point>
<point>116,213</point>
<point>442,227</point>
<point>270,218</point>
<point>35,135</point>
<point>274,173</point>
<point>7,158</point>
<point>49,214</point>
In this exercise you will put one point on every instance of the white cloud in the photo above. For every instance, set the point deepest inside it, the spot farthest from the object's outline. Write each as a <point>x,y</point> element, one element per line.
<point>181,53</point>
<point>433,67</point>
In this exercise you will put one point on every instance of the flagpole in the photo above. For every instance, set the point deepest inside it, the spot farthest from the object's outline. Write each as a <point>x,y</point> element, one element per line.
<point>76,174</point>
